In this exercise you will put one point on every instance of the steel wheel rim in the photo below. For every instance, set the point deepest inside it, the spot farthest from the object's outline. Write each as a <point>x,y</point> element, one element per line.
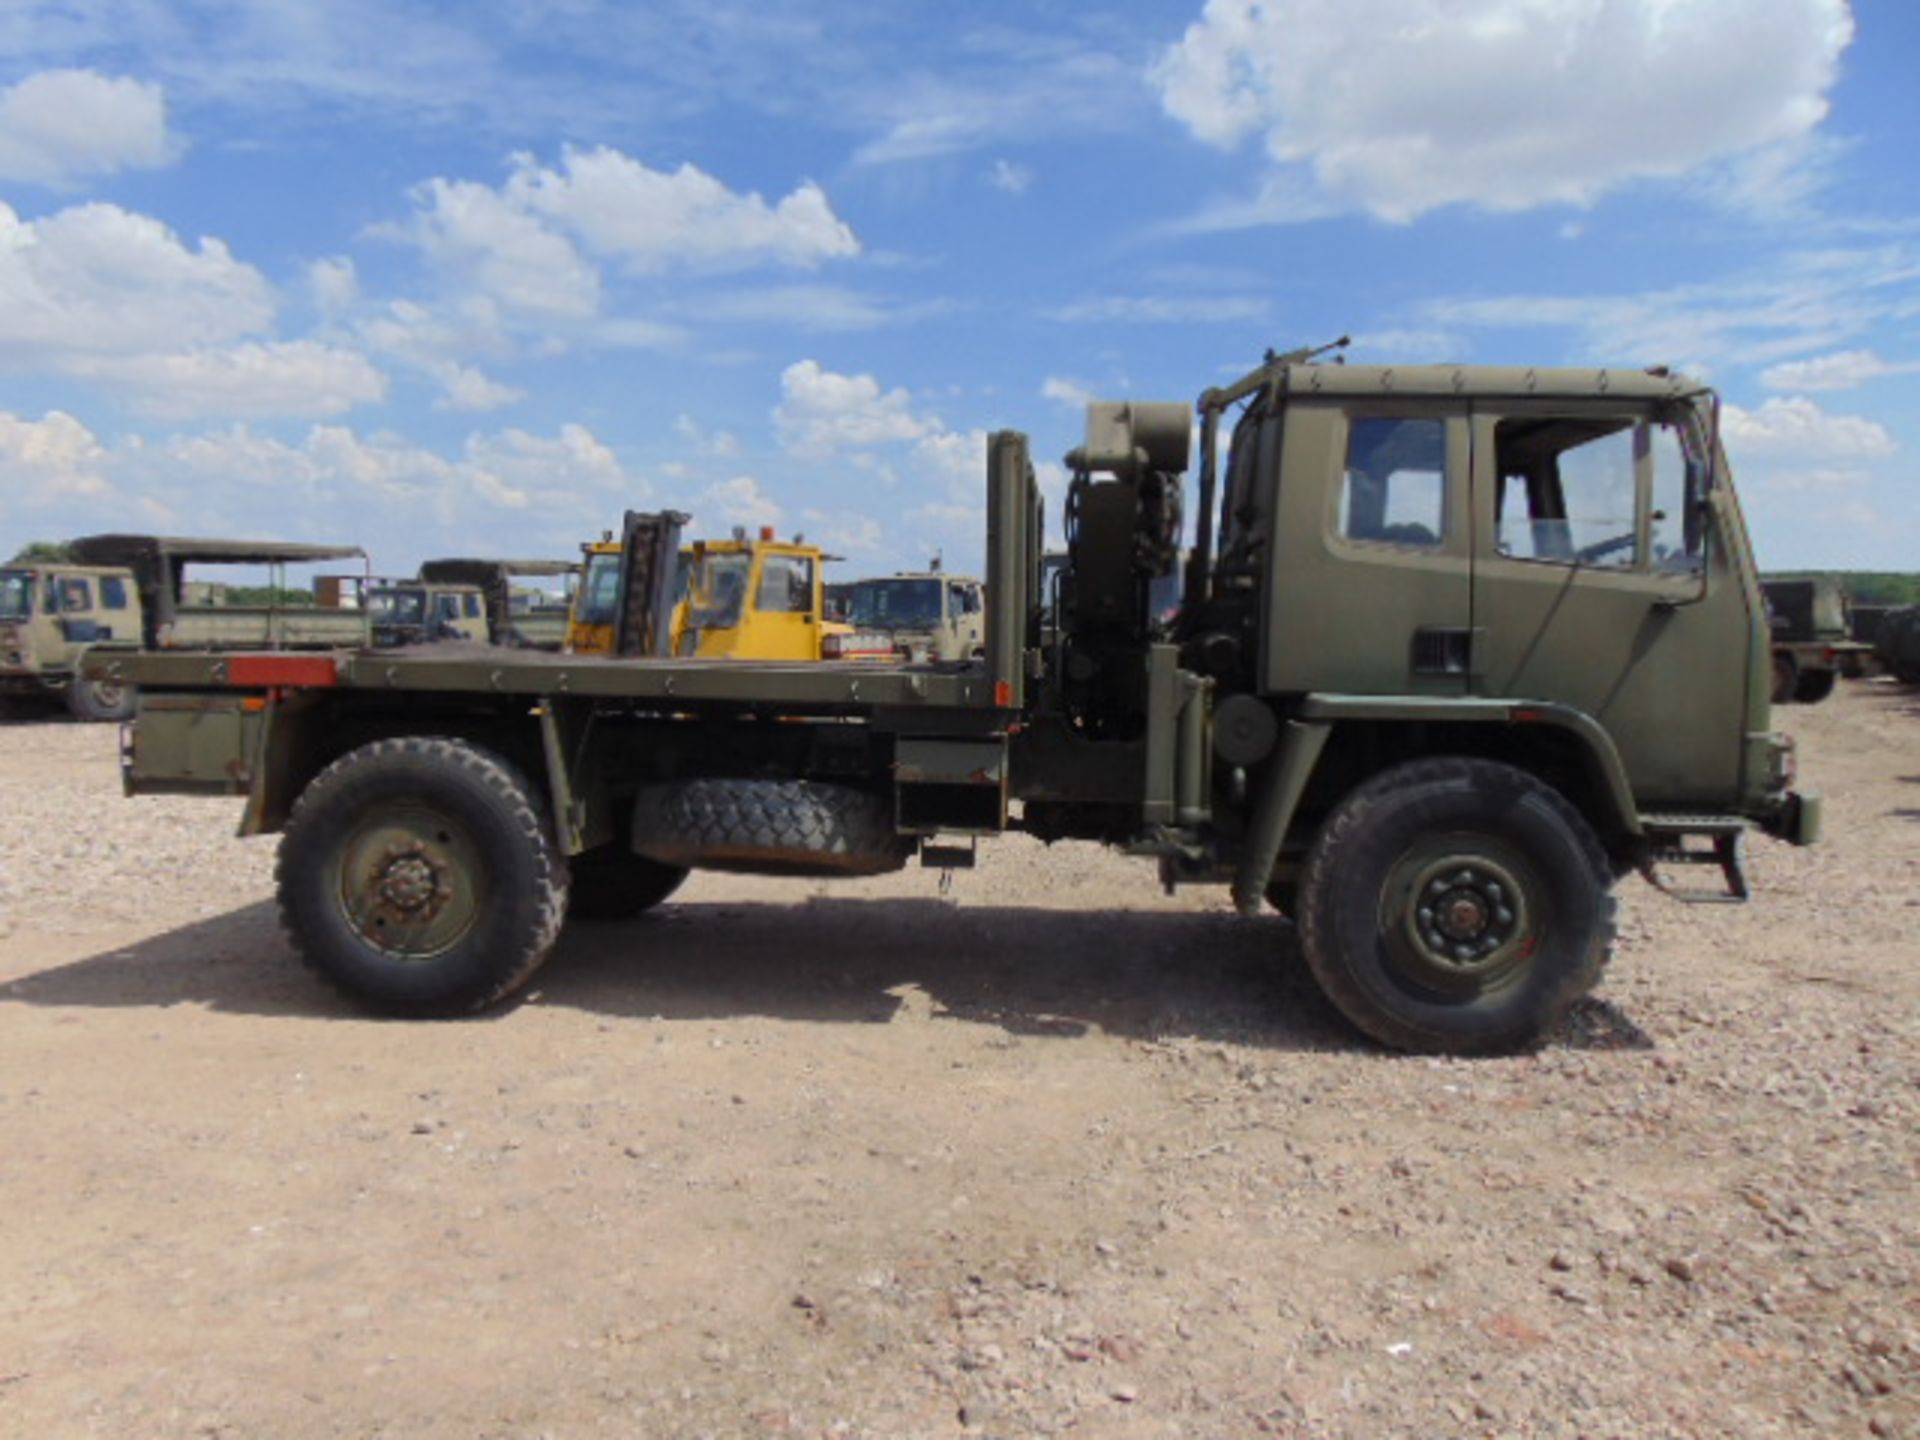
<point>108,694</point>
<point>408,882</point>
<point>1460,917</point>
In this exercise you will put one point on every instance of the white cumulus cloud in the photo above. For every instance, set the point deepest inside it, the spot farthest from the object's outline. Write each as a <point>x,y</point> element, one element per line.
<point>60,126</point>
<point>534,243</point>
<point>96,278</point>
<point>48,460</point>
<point>293,378</point>
<point>510,255</point>
<point>1842,370</point>
<point>652,220</point>
<point>1397,107</point>
<point>821,411</point>
<point>1795,426</point>
<point>741,501</point>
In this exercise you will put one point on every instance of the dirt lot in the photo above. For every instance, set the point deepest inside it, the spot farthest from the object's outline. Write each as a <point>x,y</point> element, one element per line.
<point>1050,1154</point>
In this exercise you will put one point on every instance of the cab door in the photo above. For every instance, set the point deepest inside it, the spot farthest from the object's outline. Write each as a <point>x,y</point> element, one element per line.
<point>783,622</point>
<point>1369,571</point>
<point>1592,587</point>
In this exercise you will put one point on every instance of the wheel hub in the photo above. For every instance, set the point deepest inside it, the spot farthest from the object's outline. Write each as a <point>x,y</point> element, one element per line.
<point>408,880</point>
<point>1466,913</point>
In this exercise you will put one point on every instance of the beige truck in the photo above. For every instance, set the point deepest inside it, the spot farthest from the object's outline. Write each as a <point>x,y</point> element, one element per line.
<point>923,615</point>
<point>131,592</point>
<point>51,614</point>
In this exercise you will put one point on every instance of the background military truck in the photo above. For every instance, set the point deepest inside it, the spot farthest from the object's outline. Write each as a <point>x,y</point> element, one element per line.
<point>127,591</point>
<point>475,599</point>
<point>1897,644</point>
<point>1459,647</point>
<point>923,615</point>
<point>1813,642</point>
<point>51,614</point>
<point>414,612</point>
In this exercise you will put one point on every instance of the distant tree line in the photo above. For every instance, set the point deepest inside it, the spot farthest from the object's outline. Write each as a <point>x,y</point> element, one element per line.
<point>41,552</point>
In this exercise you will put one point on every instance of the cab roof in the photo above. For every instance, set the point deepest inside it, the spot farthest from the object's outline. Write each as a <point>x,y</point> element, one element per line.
<point>1508,381</point>
<point>129,549</point>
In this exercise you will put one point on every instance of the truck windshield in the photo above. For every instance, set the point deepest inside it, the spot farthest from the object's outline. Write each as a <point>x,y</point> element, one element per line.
<point>397,607</point>
<point>16,594</point>
<point>718,590</point>
<point>896,604</point>
<point>599,590</point>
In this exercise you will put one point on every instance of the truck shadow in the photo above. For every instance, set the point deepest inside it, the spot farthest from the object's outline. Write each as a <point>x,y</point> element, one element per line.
<point>1058,974</point>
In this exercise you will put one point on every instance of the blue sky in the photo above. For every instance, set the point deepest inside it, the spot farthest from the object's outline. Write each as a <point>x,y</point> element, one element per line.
<point>476,279</point>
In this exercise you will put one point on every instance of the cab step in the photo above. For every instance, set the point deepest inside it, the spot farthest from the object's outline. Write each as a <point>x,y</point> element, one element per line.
<point>1717,840</point>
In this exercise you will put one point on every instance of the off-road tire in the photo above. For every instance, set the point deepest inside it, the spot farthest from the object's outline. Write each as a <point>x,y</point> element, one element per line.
<point>1359,932</point>
<point>1813,686</point>
<point>610,882</point>
<point>99,701</point>
<point>780,827</point>
<point>480,818</point>
<point>1786,678</point>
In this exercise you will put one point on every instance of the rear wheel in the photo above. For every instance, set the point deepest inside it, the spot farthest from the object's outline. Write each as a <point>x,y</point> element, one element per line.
<point>100,700</point>
<point>610,882</point>
<point>1455,905</point>
<point>417,876</point>
<point>1813,686</point>
<point>1786,676</point>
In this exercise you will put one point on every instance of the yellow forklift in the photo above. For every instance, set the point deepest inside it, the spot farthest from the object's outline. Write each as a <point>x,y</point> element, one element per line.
<point>741,598</point>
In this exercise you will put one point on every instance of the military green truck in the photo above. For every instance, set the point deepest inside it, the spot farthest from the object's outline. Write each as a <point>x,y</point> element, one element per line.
<point>1896,644</point>
<point>1813,643</point>
<point>1459,648</point>
<point>123,592</point>
<point>51,614</point>
<point>923,615</point>
<point>471,600</point>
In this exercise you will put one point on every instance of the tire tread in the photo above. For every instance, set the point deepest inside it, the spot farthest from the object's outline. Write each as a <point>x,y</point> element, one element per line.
<point>1352,819</point>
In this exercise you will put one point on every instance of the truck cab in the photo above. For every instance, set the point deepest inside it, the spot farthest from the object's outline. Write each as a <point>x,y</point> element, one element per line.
<point>414,612</point>
<point>51,614</point>
<point>923,615</point>
<point>754,599</point>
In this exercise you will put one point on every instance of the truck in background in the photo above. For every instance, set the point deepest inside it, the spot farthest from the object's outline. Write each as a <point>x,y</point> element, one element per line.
<point>925,615</point>
<point>1813,642</point>
<point>127,592</point>
<point>51,614</point>
<point>742,598</point>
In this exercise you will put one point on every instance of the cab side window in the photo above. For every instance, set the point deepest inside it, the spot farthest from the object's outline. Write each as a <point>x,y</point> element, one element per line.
<point>471,604</point>
<point>786,584</point>
<point>113,593</point>
<point>75,594</point>
<point>1566,490</point>
<point>1679,496</point>
<point>1395,488</point>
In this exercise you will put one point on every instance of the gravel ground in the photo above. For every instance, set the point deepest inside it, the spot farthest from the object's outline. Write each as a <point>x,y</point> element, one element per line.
<point>1050,1154</point>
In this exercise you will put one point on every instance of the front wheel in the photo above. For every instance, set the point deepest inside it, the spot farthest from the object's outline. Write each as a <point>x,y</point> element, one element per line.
<point>417,876</point>
<point>1813,686</point>
<point>1455,906</point>
<point>100,701</point>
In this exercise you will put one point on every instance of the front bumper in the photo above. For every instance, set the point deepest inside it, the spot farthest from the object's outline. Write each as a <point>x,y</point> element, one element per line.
<point>1798,820</point>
